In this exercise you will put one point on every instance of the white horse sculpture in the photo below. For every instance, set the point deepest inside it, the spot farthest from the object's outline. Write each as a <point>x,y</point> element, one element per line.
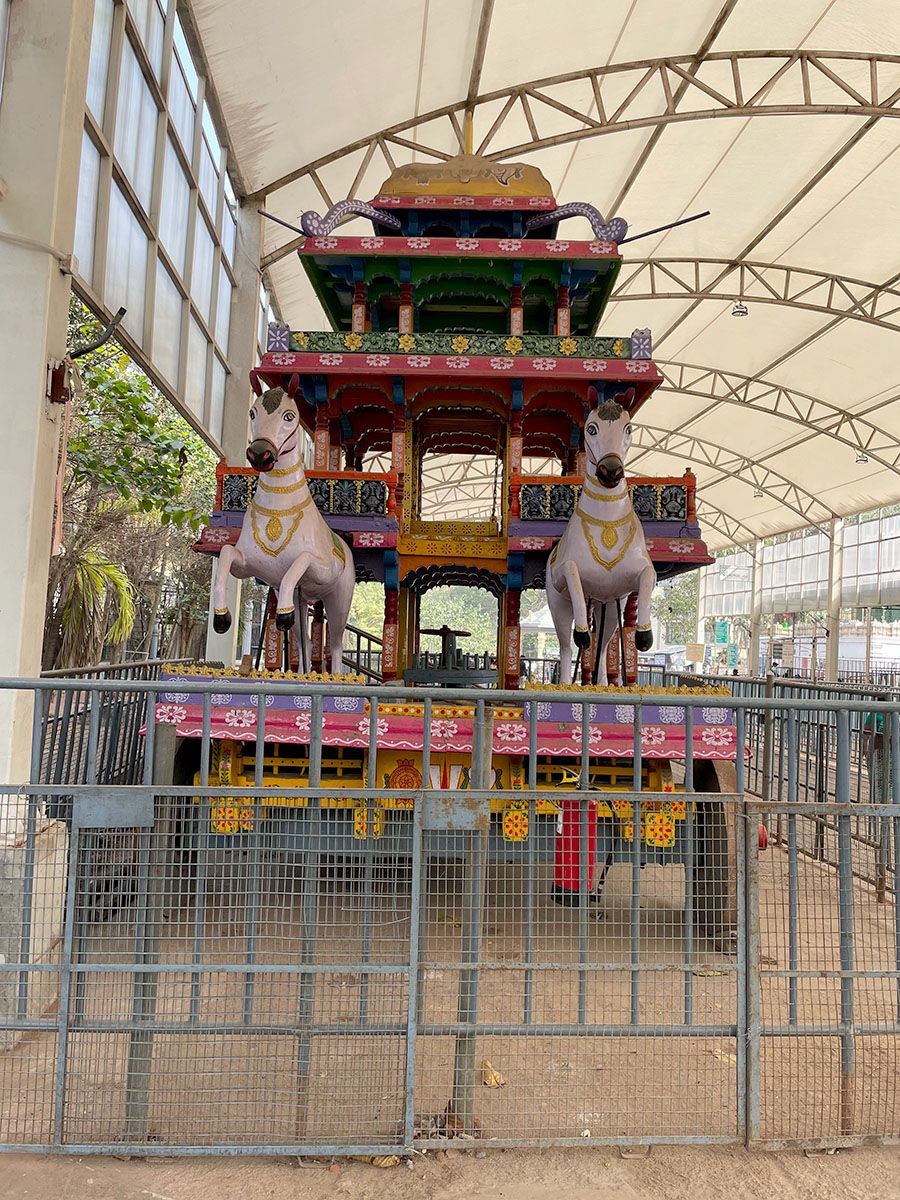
<point>284,540</point>
<point>602,556</point>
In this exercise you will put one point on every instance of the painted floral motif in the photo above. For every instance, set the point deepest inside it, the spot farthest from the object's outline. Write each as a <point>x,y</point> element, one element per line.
<point>377,360</point>
<point>558,247</point>
<point>325,243</point>
<point>370,539</point>
<point>443,729</point>
<point>602,247</point>
<point>254,700</point>
<point>419,360</point>
<point>302,339</point>
<point>458,363</point>
<point>511,733</point>
<point>625,714</point>
<point>544,364</point>
<point>463,201</point>
<point>671,714</point>
<point>417,243</point>
<point>503,364</point>
<point>353,341</point>
<point>460,343</point>
<point>513,344</point>
<point>220,699</point>
<point>502,202</point>
<point>347,703</point>
<point>533,543</point>
<point>282,360</point>
<point>716,716</point>
<point>595,364</point>
<point>220,536</point>
<point>544,711</point>
<point>535,201</point>
<point>178,697</point>
<point>717,737</point>
<point>406,342</point>
<point>652,735</point>
<point>330,360</point>
<point>576,712</point>
<point>302,702</point>
<point>239,718</point>
<point>637,368</point>
<point>509,244</point>
<point>279,337</point>
<point>303,721</point>
<point>372,243</point>
<point>380,727</point>
<point>170,714</point>
<point>681,547</point>
<point>467,243</point>
<point>659,829</point>
<point>568,345</point>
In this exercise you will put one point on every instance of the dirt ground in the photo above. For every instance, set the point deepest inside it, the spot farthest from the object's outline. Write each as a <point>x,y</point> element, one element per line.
<point>668,1173</point>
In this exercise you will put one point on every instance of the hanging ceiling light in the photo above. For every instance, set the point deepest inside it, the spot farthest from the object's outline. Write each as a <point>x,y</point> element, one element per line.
<point>862,457</point>
<point>740,309</point>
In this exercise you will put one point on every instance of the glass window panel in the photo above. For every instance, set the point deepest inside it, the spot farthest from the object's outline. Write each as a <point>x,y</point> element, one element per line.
<point>217,397</point>
<point>186,58</point>
<point>229,230</point>
<point>101,35</point>
<point>173,214</point>
<point>209,179</point>
<point>223,309</point>
<point>202,273</point>
<point>86,213</point>
<point>149,22</point>
<point>181,108</point>
<point>136,119</point>
<point>167,325</point>
<point>195,384</point>
<point>215,146</point>
<point>126,264</point>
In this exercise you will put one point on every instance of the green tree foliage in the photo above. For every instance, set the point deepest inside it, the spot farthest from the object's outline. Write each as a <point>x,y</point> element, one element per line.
<point>459,607</point>
<point>675,606</point>
<point>138,483</point>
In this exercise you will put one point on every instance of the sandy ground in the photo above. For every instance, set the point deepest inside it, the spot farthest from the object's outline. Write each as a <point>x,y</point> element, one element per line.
<point>669,1173</point>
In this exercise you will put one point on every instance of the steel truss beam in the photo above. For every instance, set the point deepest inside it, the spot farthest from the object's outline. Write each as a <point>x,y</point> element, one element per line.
<point>764,395</point>
<point>645,94</point>
<point>759,283</point>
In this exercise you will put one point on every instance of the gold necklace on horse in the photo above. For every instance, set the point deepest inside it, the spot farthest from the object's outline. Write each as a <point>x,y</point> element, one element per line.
<point>609,536</point>
<point>274,527</point>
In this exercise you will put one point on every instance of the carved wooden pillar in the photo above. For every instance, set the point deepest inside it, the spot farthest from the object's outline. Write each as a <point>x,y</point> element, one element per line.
<point>690,483</point>
<point>334,445</point>
<point>512,649</point>
<point>358,315</point>
<point>631,659</point>
<point>516,310</point>
<point>406,319</point>
<point>398,454</point>
<point>514,469</point>
<point>321,438</point>
<point>317,640</point>
<point>273,640</point>
<point>389,634</point>
<point>563,313</point>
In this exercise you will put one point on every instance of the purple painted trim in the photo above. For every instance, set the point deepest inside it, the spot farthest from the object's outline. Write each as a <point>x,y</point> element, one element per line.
<point>608,231</point>
<point>660,529</point>
<point>315,226</point>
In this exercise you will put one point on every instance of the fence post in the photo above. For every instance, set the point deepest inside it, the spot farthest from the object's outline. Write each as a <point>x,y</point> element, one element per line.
<point>768,728</point>
<point>464,1060</point>
<point>155,870</point>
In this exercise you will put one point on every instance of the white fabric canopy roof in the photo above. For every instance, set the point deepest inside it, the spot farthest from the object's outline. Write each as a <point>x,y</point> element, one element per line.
<point>795,154</point>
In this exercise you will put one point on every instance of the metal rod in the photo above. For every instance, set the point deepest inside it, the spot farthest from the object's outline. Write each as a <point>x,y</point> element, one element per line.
<point>845,911</point>
<point>662,228</point>
<point>793,867</point>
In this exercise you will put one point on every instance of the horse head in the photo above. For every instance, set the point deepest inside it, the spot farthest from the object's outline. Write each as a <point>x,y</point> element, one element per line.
<point>607,438</point>
<point>274,426</point>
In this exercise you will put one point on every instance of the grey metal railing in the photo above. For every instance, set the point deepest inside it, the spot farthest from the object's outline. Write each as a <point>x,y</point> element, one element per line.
<point>277,961</point>
<point>362,652</point>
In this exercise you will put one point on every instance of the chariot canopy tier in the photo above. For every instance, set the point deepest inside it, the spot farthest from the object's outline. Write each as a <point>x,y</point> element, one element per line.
<point>464,344</point>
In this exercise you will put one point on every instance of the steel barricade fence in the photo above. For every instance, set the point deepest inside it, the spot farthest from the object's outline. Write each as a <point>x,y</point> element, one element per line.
<point>193,964</point>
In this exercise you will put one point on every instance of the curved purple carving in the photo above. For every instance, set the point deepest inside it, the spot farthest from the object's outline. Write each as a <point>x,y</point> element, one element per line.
<point>606,231</point>
<point>315,226</point>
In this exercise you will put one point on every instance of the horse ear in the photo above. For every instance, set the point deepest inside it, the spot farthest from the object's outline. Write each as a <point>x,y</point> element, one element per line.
<point>593,398</point>
<point>255,384</point>
<point>626,398</point>
<point>293,385</point>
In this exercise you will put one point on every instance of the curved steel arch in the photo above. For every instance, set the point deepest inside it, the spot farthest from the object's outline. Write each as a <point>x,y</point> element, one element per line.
<point>752,472</point>
<point>759,283</point>
<point>691,91</point>
<point>816,416</point>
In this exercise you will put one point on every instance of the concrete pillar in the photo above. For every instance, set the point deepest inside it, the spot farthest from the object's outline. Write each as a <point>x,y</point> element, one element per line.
<point>41,121</point>
<point>242,352</point>
<point>755,608</point>
<point>833,619</point>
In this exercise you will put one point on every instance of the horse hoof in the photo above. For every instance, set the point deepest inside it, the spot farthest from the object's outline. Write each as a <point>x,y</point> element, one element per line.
<point>285,620</point>
<point>582,638</point>
<point>643,639</point>
<point>222,621</point>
